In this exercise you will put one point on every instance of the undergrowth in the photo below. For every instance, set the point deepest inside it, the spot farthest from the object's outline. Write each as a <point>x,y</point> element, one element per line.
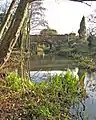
<point>47,100</point>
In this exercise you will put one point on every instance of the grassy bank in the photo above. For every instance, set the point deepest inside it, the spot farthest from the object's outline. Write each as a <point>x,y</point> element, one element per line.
<point>51,100</point>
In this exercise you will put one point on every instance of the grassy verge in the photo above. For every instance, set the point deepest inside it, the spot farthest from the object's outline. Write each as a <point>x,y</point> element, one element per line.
<point>51,100</point>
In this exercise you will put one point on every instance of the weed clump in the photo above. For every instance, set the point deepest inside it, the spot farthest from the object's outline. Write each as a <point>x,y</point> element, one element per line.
<point>47,100</point>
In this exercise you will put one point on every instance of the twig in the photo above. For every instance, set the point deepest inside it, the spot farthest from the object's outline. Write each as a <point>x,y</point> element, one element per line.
<point>81,2</point>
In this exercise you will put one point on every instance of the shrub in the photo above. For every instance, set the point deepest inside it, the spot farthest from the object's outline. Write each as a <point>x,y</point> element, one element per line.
<point>13,81</point>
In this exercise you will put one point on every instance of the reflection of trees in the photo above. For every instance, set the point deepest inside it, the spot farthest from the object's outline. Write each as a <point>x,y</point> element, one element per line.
<point>90,83</point>
<point>78,111</point>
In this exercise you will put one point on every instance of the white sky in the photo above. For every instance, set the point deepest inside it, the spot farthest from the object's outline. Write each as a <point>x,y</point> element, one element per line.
<point>65,16</point>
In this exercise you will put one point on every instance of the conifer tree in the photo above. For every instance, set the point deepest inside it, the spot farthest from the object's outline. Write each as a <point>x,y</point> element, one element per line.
<point>82,30</point>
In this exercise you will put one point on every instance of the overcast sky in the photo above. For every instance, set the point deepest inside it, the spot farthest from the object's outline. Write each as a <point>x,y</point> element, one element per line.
<point>65,16</point>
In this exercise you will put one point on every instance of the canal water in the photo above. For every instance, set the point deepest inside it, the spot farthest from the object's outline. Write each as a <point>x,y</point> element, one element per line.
<point>87,108</point>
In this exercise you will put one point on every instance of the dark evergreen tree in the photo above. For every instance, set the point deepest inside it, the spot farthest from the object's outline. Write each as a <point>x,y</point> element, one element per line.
<point>82,30</point>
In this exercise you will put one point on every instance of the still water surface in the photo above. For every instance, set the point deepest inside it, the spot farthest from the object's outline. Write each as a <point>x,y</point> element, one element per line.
<point>89,113</point>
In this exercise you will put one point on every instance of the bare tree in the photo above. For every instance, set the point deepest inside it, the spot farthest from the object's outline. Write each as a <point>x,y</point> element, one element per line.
<point>38,16</point>
<point>92,23</point>
<point>4,5</point>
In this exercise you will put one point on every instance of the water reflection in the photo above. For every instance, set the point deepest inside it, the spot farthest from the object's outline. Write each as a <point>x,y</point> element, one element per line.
<point>38,76</point>
<point>78,111</point>
<point>90,85</point>
<point>85,110</point>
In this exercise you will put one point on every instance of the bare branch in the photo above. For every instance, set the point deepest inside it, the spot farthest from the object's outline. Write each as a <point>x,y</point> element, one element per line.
<point>82,1</point>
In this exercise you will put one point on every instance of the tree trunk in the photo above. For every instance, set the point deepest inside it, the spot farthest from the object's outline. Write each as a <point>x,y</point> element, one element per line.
<point>7,17</point>
<point>10,38</point>
<point>12,34</point>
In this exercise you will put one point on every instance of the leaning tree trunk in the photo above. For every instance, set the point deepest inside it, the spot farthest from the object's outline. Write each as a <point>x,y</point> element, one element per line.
<point>7,17</point>
<point>12,34</point>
